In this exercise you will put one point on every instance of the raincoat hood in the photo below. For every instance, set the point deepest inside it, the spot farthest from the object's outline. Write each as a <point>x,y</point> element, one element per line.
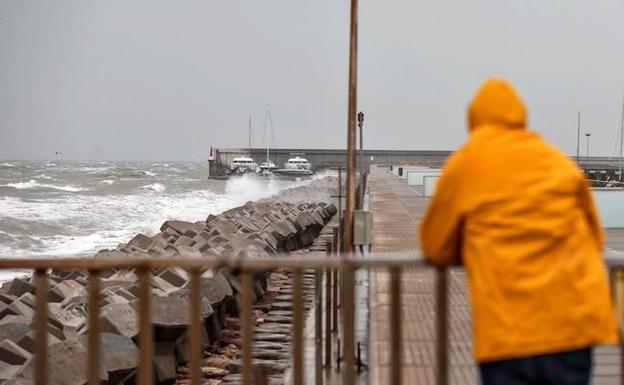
<point>497,103</point>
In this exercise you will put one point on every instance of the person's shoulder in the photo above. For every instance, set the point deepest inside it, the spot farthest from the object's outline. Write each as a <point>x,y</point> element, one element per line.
<point>457,158</point>
<point>557,155</point>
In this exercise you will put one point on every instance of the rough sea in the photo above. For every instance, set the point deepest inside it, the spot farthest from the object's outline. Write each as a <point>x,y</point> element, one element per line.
<point>59,208</point>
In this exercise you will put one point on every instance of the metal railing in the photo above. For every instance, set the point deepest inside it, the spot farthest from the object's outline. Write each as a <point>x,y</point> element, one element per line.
<point>339,273</point>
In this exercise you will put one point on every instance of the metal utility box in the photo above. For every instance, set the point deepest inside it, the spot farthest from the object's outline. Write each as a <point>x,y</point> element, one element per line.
<point>610,205</point>
<point>430,184</point>
<point>416,177</point>
<point>362,227</point>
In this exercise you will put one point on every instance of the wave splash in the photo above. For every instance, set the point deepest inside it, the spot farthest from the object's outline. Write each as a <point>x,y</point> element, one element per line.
<point>156,187</point>
<point>32,184</point>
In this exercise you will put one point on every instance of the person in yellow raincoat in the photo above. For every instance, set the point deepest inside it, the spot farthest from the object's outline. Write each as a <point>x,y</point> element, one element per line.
<point>519,215</point>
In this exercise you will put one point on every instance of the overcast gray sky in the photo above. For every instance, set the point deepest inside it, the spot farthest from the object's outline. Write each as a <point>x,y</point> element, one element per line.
<point>163,79</point>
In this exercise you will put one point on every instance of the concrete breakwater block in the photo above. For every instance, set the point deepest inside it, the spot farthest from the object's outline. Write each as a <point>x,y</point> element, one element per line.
<point>120,318</point>
<point>14,358</point>
<point>67,361</point>
<point>119,359</point>
<point>281,224</point>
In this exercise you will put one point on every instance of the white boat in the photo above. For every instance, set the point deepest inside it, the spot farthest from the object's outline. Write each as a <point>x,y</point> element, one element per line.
<point>292,173</point>
<point>243,165</point>
<point>266,168</point>
<point>297,163</point>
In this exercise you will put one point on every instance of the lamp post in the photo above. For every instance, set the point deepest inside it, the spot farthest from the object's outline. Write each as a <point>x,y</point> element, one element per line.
<point>587,135</point>
<point>351,133</point>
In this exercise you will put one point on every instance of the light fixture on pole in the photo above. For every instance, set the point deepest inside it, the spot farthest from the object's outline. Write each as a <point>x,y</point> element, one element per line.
<point>587,135</point>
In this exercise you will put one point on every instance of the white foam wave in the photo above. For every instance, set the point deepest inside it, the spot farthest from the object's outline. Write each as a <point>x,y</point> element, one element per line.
<point>148,173</point>
<point>43,176</point>
<point>50,164</point>
<point>156,187</point>
<point>7,164</point>
<point>34,184</point>
<point>94,222</point>
<point>250,188</point>
<point>108,181</point>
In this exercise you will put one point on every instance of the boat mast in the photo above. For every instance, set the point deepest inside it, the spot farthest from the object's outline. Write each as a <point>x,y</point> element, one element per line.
<point>578,137</point>
<point>249,144</point>
<point>268,122</point>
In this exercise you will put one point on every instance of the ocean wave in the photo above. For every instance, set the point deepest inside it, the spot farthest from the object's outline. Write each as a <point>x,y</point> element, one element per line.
<point>92,170</point>
<point>108,181</point>
<point>5,237</point>
<point>53,223</point>
<point>124,172</point>
<point>43,176</point>
<point>156,187</point>
<point>49,164</point>
<point>7,164</point>
<point>86,223</point>
<point>34,184</point>
<point>12,226</point>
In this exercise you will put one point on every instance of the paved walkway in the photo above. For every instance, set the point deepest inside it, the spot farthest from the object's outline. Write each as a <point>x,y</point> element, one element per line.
<point>397,209</point>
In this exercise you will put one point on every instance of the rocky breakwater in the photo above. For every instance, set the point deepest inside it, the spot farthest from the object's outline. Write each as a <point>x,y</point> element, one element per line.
<point>281,224</point>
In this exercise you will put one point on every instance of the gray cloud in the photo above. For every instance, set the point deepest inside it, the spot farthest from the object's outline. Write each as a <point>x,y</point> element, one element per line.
<point>158,79</point>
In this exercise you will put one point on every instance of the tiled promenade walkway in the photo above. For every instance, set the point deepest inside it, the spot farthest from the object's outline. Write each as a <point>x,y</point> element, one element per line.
<point>397,209</point>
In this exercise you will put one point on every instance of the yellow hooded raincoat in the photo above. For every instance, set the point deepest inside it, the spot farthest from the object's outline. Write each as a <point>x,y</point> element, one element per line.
<point>519,215</point>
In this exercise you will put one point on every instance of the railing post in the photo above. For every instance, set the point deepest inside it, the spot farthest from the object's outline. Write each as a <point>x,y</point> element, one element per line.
<point>41,330</point>
<point>195,336</point>
<point>334,285</point>
<point>442,326</point>
<point>247,325</point>
<point>298,328</point>
<point>318,327</point>
<point>94,328</point>
<point>348,317</point>
<point>145,329</point>
<point>262,375</point>
<point>328,311</point>
<point>339,204</point>
<point>395,326</point>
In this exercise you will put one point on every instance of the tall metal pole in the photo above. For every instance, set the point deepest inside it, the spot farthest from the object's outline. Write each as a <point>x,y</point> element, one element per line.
<point>578,138</point>
<point>621,139</point>
<point>348,230</point>
<point>587,135</point>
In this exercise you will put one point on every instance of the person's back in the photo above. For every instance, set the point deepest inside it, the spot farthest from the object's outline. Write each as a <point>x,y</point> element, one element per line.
<point>519,215</point>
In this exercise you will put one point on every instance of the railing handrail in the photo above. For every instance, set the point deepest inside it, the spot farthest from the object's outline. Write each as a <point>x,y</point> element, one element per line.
<point>312,260</point>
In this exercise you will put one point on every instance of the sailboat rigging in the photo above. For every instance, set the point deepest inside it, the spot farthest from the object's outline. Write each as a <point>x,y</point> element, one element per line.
<point>267,167</point>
